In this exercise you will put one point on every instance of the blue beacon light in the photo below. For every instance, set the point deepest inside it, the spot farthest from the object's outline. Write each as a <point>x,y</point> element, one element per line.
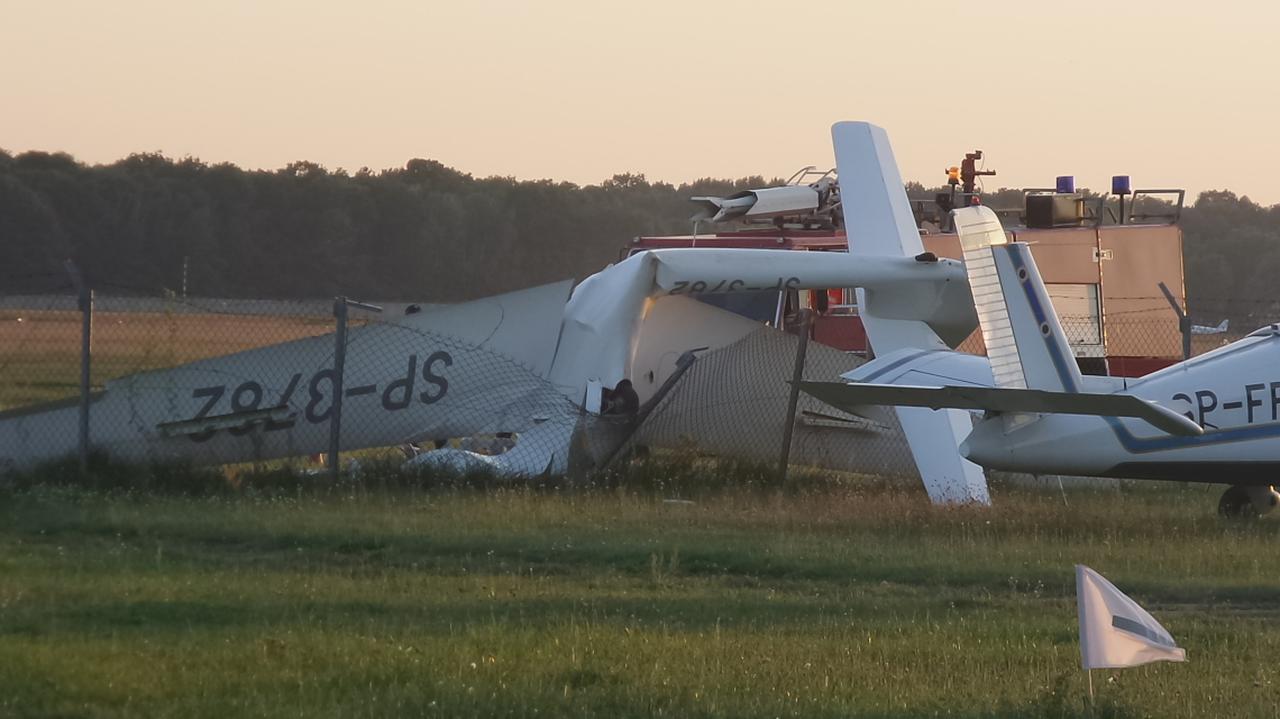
<point>1120,187</point>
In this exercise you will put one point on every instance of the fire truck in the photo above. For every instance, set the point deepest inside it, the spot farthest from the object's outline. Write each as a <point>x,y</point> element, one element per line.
<point>1111,262</point>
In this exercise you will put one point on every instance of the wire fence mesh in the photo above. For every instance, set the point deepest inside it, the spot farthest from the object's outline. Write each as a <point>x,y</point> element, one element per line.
<point>247,381</point>
<point>733,402</point>
<point>230,382</point>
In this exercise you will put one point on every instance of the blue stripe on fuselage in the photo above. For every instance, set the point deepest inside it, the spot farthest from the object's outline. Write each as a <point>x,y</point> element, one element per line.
<point>1130,442</point>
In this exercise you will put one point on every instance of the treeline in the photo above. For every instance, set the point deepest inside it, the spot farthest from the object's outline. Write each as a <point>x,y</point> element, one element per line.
<point>425,232</point>
<point>1231,250</point>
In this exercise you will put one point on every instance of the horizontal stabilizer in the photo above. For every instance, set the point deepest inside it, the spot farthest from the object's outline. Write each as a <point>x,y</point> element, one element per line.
<point>999,399</point>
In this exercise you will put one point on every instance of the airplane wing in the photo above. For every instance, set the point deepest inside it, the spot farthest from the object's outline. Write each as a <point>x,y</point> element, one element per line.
<point>602,318</point>
<point>453,371</point>
<point>1001,400</point>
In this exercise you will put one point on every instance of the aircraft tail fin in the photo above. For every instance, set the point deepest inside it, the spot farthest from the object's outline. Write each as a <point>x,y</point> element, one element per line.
<point>879,221</point>
<point>878,214</point>
<point>1025,341</point>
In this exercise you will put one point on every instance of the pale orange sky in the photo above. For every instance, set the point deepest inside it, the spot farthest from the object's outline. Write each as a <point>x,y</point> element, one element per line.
<point>1172,93</point>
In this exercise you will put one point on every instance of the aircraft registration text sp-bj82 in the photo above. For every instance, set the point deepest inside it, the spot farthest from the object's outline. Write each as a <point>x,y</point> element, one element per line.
<point>1214,418</point>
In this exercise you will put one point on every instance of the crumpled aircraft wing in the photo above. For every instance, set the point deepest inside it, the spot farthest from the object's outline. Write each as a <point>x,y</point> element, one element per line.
<point>475,367</point>
<point>602,319</point>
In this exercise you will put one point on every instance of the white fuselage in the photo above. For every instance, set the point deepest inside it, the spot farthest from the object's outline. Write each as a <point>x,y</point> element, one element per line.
<point>1233,392</point>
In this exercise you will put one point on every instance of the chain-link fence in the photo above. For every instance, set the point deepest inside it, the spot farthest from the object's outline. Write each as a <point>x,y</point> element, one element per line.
<point>225,382</point>
<point>735,401</point>
<point>247,381</point>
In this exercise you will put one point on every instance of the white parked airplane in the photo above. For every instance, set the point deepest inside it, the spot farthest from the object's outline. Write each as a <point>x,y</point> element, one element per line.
<point>1218,329</point>
<point>533,362</point>
<point>1214,418</point>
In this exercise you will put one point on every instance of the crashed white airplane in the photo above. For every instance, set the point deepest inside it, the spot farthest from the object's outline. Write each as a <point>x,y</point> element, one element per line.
<point>535,362</point>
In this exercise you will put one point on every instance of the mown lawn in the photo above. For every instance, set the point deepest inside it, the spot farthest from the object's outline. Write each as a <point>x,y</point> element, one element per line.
<point>519,603</point>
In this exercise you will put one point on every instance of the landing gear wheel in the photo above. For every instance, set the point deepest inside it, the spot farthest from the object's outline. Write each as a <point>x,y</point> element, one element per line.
<point>1237,503</point>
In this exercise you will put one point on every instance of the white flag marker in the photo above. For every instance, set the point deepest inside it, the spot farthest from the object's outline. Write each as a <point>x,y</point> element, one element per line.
<point>1114,630</point>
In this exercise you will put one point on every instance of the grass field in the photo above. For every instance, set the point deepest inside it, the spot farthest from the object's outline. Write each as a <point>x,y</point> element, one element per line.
<point>844,602</point>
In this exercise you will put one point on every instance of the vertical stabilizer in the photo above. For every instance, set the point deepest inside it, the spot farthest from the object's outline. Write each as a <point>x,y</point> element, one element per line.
<point>878,221</point>
<point>1025,341</point>
<point>979,232</point>
<point>877,214</point>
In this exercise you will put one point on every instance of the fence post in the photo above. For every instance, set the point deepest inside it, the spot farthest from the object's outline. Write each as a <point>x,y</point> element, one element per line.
<point>797,374</point>
<point>86,360</point>
<point>84,301</point>
<point>339,368</point>
<point>1184,322</point>
<point>340,307</point>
